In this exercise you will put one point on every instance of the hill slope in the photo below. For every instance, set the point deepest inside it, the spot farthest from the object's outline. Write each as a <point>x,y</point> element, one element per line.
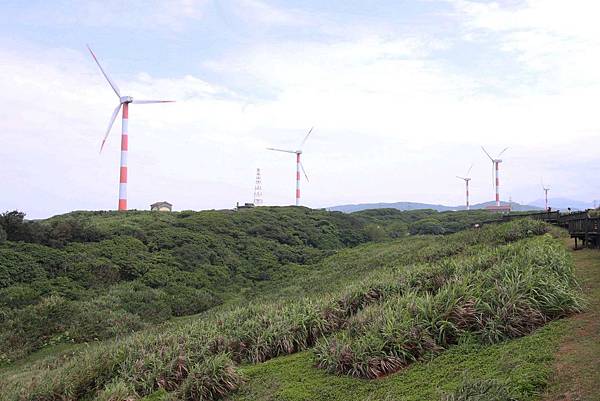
<point>90,275</point>
<point>427,291</point>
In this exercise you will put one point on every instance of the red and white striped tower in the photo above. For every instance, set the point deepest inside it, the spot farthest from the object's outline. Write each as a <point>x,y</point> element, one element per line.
<point>298,164</point>
<point>466,180</point>
<point>496,172</point>
<point>298,178</point>
<point>124,149</point>
<point>497,164</point>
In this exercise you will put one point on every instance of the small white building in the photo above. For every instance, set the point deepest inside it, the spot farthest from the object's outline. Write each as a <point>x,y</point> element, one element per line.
<point>161,207</point>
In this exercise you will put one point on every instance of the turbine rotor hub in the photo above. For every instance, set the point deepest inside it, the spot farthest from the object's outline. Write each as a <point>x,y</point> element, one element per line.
<point>126,99</point>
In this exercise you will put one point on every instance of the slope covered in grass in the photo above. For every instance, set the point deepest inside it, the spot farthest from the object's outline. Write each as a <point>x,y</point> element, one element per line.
<point>201,358</point>
<point>94,275</point>
<point>86,276</point>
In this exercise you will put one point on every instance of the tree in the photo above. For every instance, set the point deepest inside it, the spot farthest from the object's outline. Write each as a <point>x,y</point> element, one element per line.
<point>12,224</point>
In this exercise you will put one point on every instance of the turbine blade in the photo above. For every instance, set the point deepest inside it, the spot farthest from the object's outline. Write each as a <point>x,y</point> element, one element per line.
<point>486,152</point>
<point>152,101</point>
<point>504,150</point>
<point>469,169</point>
<point>460,178</point>
<point>306,137</point>
<point>110,81</point>
<point>306,176</point>
<point>110,124</point>
<point>281,150</point>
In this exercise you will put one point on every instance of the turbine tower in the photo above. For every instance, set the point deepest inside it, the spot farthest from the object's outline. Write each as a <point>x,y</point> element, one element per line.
<point>124,102</point>
<point>546,189</point>
<point>495,170</point>
<point>258,201</point>
<point>466,179</point>
<point>299,165</point>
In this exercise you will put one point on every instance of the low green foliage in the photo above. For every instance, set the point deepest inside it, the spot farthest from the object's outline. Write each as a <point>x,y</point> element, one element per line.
<point>199,357</point>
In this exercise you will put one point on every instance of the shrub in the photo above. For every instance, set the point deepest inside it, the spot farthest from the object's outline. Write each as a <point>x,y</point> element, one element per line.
<point>427,226</point>
<point>18,296</point>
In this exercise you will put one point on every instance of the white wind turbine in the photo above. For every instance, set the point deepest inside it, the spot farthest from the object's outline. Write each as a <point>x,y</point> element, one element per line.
<point>546,189</point>
<point>466,179</point>
<point>299,165</point>
<point>495,169</point>
<point>124,102</point>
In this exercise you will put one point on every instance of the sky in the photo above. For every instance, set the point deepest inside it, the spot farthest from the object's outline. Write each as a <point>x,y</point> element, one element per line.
<point>401,94</point>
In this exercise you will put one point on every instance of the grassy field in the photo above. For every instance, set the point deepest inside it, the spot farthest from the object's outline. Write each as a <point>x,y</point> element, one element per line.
<point>474,314</point>
<point>559,362</point>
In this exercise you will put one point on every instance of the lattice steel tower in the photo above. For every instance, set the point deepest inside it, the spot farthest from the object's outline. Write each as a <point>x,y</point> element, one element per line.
<point>258,201</point>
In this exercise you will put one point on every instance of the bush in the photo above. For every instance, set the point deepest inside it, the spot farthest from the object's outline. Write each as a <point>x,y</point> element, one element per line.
<point>184,300</point>
<point>149,304</point>
<point>18,296</point>
<point>427,226</point>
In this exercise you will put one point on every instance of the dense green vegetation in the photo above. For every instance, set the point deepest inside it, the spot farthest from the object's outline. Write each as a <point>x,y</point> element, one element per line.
<point>93,275</point>
<point>383,223</point>
<point>332,299</point>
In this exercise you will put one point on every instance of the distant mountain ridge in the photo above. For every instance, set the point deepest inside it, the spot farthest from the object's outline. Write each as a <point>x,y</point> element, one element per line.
<point>563,204</point>
<point>416,205</point>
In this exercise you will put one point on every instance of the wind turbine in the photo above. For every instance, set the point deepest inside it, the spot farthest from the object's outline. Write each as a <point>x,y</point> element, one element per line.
<point>124,102</point>
<point>546,189</point>
<point>466,179</point>
<point>495,167</point>
<point>298,164</point>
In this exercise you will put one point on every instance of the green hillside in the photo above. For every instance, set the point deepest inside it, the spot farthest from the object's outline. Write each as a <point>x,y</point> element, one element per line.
<point>93,275</point>
<point>350,295</point>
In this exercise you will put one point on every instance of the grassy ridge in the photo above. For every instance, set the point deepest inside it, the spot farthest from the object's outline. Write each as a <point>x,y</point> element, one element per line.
<point>199,359</point>
<point>495,295</point>
<point>521,366</point>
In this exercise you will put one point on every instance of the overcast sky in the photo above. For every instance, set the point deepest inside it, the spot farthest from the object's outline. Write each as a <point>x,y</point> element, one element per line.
<point>401,95</point>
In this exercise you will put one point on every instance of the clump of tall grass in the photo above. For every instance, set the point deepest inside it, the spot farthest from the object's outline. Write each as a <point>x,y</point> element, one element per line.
<point>505,294</point>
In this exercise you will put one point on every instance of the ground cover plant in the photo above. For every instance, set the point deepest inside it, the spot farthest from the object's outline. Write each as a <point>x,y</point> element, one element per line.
<point>199,359</point>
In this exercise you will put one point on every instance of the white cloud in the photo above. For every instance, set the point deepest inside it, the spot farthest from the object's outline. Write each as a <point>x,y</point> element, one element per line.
<point>558,40</point>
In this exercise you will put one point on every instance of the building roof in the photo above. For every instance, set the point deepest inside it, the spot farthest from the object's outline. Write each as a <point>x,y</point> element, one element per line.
<point>163,203</point>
